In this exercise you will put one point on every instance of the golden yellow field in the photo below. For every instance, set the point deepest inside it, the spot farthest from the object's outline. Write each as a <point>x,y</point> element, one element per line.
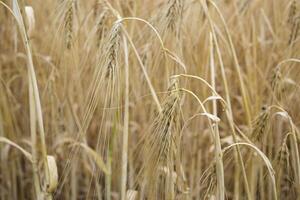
<point>149,99</point>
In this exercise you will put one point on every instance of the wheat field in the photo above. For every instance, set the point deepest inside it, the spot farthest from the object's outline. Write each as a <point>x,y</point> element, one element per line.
<point>149,99</point>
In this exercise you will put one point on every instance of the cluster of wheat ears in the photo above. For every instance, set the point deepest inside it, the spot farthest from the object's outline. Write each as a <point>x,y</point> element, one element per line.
<point>149,99</point>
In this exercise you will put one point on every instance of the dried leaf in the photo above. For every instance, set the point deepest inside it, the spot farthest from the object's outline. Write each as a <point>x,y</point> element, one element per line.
<point>53,179</point>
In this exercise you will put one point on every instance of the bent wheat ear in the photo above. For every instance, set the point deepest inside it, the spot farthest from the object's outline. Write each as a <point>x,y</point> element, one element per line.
<point>101,26</point>
<point>283,170</point>
<point>295,30</point>
<point>160,147</point>
<point>260,124</point>
<point>208,182</point>
<point>276,82</point>
<point>131,195</point>
<point>283,155</point>
<point>292,12</point>
<point>174,13</point>
<point>112,50</point>
<point>68,24</point>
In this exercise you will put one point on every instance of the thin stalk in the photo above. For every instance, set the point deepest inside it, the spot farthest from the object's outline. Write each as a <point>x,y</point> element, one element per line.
<point>108,176</point>
<point>230,117</point>
<point>295,144</point>
<point>33,81</point>
<point>236,64</point>
<point>228,103</point>
<point>34,143</point>
<point>218,152</point>
<point>126,124</point>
